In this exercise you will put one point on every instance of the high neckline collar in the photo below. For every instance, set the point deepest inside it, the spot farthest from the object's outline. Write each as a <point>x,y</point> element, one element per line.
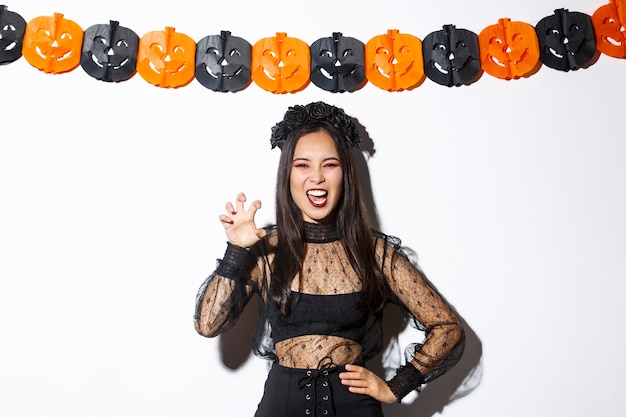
<point>321,232</point>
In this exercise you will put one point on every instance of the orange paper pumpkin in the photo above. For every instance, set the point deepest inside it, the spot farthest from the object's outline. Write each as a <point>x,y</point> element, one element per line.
<point>609,23</point>
<point>52,44</point>
<point>394,61</point>
<point>166,58</point>
<point>281,64</point>
<point>509,50</point>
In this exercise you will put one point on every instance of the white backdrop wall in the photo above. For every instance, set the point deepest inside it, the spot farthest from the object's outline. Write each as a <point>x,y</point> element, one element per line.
<point>511,194</point>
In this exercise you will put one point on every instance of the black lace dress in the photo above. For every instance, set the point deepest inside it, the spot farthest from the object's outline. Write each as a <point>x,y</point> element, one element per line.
<point>324,324</point>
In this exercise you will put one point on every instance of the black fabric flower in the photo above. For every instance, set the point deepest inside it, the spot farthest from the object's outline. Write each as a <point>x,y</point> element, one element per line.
<point>298,115</point>
<point>319,110</point>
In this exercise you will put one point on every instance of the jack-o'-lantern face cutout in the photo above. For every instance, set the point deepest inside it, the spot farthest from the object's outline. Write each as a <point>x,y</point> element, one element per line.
<point>109,52</point>
<point>509,50</point>
<point>223,62</point>
<point>394,61</point>
<point>338,63</point>
<point>281,64</point>
<point>52,44</point>
<point>609,22</point>
<point>166,58</point>
<point>12,28</point>
<point>451,56</point>
<point>566,40</point>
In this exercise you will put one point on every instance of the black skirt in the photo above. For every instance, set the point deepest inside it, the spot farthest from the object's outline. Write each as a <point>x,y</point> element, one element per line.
<point>293,392</point>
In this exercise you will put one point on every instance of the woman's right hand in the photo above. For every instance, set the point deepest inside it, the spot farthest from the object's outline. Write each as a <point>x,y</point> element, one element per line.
<point>239,223</point>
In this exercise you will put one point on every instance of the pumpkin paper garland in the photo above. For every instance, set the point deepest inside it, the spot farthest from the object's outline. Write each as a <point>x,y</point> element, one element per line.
<point>52,44</point>
<point>451,56</point>
<point>566,40</point>
<point>338,63</point>
<point>12,28</point>
<point>609,22</point>
<point>166,58</point>
<point>281,64</point>
<point>394,61</point>
<point>223,62</point>
<point>109,52</point>
<point>509,50</point>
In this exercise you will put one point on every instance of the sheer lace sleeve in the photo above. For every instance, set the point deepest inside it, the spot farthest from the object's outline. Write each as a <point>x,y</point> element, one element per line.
<point>223,295</point>
<point>444,339</point>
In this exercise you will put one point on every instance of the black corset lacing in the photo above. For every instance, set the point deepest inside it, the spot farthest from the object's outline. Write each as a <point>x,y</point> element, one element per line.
<point>317,389</point>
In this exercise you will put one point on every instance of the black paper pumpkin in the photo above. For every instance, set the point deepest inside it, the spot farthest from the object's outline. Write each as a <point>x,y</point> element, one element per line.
<point>109,52</point>
<point>223,62</point>
<point>338,63</point>
<point>566,40</point>
<point>451,56</point>
<point>12,28</point>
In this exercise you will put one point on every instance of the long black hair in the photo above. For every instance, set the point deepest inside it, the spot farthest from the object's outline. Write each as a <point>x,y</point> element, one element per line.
<point>351,216</point>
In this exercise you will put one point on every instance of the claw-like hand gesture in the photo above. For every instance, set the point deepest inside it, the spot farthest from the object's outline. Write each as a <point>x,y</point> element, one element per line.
<point>239,223</point>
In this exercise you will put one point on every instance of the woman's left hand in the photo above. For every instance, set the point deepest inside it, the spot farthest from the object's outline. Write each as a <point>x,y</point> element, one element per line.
<point>361,380</point>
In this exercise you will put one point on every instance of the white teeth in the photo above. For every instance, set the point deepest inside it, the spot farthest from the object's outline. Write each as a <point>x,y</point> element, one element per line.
<point>317,193</point>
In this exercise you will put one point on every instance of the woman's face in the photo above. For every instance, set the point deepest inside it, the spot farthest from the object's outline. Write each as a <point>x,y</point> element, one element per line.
<point>316,179</point>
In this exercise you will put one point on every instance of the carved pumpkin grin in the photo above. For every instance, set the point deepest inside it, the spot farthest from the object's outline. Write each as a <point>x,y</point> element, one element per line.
<point>109,52</point>
<point>609,22</point>
<point>338,63</point>
<point>566,40</point>
<point>281,64</point>
<point>509,50</point>
<point>395,61</point>
<point>12,28</point>
<point>53,43</point>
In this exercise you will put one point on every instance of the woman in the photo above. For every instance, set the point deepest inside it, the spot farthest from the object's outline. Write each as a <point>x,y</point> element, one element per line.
<point>323,277</point>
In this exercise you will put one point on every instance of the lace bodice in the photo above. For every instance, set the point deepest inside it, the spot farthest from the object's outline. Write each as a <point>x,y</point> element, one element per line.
<point>328,276</point>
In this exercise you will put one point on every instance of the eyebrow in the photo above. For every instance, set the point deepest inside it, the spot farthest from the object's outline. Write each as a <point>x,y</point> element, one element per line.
<point>330,158</point>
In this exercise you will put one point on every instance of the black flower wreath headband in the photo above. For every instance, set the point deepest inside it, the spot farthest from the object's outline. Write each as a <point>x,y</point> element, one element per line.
<point>297,116</point>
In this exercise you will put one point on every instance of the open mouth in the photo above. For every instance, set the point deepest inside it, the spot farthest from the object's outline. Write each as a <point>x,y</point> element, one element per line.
<point>318,198</point>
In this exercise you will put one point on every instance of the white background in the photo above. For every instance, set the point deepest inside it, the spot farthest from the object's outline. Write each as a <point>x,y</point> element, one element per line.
<point>511,193</point>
